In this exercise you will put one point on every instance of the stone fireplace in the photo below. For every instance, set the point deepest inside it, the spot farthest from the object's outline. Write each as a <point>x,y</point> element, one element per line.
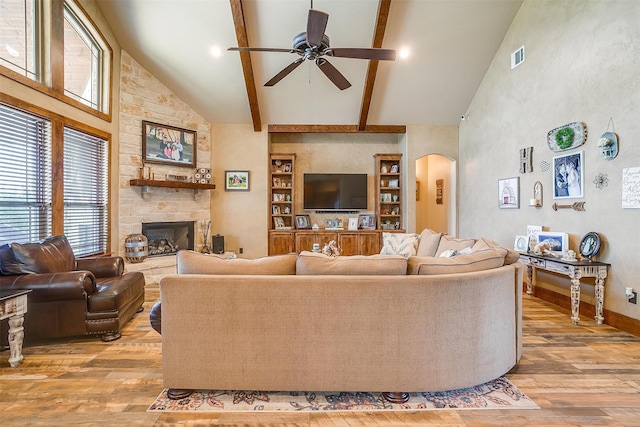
<point>167,238</point>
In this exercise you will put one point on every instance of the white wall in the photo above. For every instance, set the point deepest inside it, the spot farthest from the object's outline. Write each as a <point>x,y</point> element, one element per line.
<point>582,64</point>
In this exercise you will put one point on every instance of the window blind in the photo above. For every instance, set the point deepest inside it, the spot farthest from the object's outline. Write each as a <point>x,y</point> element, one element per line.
<point>25,176</point>
<point>85,192</point>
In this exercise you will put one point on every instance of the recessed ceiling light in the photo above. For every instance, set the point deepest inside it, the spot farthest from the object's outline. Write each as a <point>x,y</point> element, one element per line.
<point>404,53</point>
<point>215,51</point>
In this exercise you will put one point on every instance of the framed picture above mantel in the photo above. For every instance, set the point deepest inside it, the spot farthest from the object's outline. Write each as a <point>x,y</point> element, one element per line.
<point>168,145</point>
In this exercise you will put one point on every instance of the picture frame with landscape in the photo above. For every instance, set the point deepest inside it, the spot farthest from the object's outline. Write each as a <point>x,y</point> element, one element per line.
<point>236,180</point>
<point>168,145</point>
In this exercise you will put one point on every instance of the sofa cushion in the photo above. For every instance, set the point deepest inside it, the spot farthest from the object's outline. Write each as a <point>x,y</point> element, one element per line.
<point>311,263</point>
<point>53,255</point>
<point>404,244</point>
<point>449,242</point>
<point>483,259</point>
<point>510,256</point>
<point>190,262</point>
<point>9,265</point>
<point>428,244</point>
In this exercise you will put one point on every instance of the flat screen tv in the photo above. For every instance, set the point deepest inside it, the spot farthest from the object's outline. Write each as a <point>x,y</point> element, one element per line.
<point>335,191</point>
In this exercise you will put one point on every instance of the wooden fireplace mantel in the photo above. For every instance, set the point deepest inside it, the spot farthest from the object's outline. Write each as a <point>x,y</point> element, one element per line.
<point>177,185</point>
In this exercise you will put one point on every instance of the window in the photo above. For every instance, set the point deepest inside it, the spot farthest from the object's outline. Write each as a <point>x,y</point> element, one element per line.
<point>85,192</point>
<point>27,193</point>
<point>83,58</point>
<point>25,176</point>
<point>18,41</point>
<point>30,52</point>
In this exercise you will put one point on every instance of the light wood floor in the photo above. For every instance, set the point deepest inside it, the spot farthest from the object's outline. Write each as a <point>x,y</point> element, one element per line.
<point>585,375</point>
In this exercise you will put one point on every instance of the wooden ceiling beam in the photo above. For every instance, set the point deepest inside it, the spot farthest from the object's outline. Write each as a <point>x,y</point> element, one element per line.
<point>336,129</point>
<point>245,58</point>
<point>372,70</point>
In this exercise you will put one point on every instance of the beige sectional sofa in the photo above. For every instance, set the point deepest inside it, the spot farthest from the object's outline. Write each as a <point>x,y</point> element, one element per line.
<point>361,323</point>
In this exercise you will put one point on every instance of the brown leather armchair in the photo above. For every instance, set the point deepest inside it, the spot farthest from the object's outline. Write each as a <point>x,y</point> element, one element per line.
<point>70,296</point>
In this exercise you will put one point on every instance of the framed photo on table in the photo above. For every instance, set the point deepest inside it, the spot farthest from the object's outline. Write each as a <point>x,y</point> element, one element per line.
<point>303,222</point>
<point>367,222</point>
<point>168,145</point>
<point>353,223</point>
<point>558,241</point>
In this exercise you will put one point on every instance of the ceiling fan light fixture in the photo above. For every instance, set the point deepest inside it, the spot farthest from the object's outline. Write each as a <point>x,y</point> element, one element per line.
<point>313,44</point>
<point>404,53</point>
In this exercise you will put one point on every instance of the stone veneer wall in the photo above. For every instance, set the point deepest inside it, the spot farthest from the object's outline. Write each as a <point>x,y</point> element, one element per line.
<point>143,97</point>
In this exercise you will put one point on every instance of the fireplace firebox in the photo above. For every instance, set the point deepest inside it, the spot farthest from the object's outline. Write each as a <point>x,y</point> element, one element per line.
<point>167,238</point>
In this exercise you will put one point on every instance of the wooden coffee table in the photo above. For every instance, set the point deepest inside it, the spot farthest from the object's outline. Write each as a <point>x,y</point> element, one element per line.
<point>13,305</point>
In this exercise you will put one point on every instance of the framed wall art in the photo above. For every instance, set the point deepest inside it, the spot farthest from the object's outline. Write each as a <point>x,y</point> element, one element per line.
<point>236,180</point>
<point>509,193</point>
<point>168,145</point>
<point>568,176</point>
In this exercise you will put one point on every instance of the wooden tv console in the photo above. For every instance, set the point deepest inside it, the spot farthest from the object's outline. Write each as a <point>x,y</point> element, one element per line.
<point>352,242</point>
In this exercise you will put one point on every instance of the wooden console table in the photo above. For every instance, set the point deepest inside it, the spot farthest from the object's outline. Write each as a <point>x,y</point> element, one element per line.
<point>575,270</point>
<point>13,305</point>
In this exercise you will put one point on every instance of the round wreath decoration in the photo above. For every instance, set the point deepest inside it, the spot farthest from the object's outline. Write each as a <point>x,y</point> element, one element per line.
<point>564,137</point>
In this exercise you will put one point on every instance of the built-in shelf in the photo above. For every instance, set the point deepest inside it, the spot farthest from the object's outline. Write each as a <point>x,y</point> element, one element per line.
<point>177,185</point>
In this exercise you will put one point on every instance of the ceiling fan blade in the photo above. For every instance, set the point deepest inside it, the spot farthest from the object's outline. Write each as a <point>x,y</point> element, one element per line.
<point>316,24</point>
<point>261,49</point>
<point>333,74</point>
<point>362,53</point>
<point>285,72</point>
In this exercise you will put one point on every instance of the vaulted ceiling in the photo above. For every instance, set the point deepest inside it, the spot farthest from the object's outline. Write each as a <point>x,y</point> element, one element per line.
<point>451,44</point>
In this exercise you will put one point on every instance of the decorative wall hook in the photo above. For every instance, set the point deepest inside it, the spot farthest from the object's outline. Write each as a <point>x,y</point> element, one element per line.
<point>577,206</point>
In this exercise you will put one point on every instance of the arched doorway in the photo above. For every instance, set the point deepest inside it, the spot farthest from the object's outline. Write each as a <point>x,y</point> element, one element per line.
<point>436,205</point>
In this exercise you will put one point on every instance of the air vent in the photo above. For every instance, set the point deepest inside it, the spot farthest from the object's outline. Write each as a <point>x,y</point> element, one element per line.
<point>517,57</point>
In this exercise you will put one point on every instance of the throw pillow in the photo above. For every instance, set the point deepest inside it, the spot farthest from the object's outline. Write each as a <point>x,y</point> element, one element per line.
<point>311,263</point>
<point>191,262</point>
<point>53,255</point>
<point>484,243</point>
<point>405,244</point>
<point>429,241</point>
<point>9,266</point>
<point>450,242</point>
<point>449,253</point>
<point>476,261</point>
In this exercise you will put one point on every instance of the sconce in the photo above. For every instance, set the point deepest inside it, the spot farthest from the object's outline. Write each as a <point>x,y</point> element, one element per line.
<point>536,202</point>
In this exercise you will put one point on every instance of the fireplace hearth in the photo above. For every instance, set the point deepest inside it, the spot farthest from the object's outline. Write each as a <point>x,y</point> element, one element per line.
<point>167,238</point>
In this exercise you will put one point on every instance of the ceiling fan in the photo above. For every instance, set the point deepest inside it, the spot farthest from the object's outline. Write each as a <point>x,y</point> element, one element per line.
<point>313,44</point>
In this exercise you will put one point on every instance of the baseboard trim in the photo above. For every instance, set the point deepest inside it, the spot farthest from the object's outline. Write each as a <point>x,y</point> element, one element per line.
<point>611,318</point>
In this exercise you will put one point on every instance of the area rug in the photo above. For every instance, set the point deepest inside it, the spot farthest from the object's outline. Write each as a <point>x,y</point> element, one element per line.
<point>496,394</point>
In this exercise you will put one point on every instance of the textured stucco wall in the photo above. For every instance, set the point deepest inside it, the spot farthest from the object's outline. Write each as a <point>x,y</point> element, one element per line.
<point>582,64</point>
